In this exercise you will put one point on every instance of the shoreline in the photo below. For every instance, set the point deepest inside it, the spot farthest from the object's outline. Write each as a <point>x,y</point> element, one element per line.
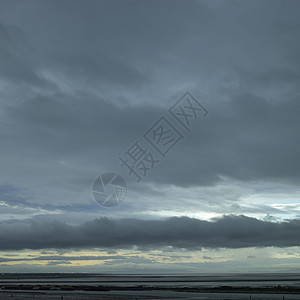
<point>109,288</point>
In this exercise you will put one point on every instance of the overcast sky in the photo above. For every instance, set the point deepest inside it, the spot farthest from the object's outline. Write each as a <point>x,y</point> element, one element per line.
<point>81,82</point>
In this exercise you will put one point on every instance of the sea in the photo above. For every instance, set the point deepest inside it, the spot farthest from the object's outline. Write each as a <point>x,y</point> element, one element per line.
<point>79,286</point>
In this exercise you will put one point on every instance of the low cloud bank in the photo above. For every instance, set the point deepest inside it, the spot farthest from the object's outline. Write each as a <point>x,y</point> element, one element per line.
<point>179,232</point>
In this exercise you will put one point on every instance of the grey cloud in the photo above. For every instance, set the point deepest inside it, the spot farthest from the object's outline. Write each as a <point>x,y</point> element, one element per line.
<point>229,232</point>
<point>80,83</point>
<point>17,60</point>
<point>245,137</point>
<point>249,139</point>
<point>107,42</point>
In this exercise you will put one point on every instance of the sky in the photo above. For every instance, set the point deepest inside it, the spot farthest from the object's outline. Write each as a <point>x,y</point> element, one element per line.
<point>206,93</point>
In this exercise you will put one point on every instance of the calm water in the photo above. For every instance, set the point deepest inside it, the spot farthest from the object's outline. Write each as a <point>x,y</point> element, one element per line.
<point>234,280</point>
<point>251,280</point>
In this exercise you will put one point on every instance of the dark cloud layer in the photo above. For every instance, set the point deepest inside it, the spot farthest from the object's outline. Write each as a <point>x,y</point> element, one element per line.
<point>245,138</point>
<point>82,82</point>
<point>184,232</point>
